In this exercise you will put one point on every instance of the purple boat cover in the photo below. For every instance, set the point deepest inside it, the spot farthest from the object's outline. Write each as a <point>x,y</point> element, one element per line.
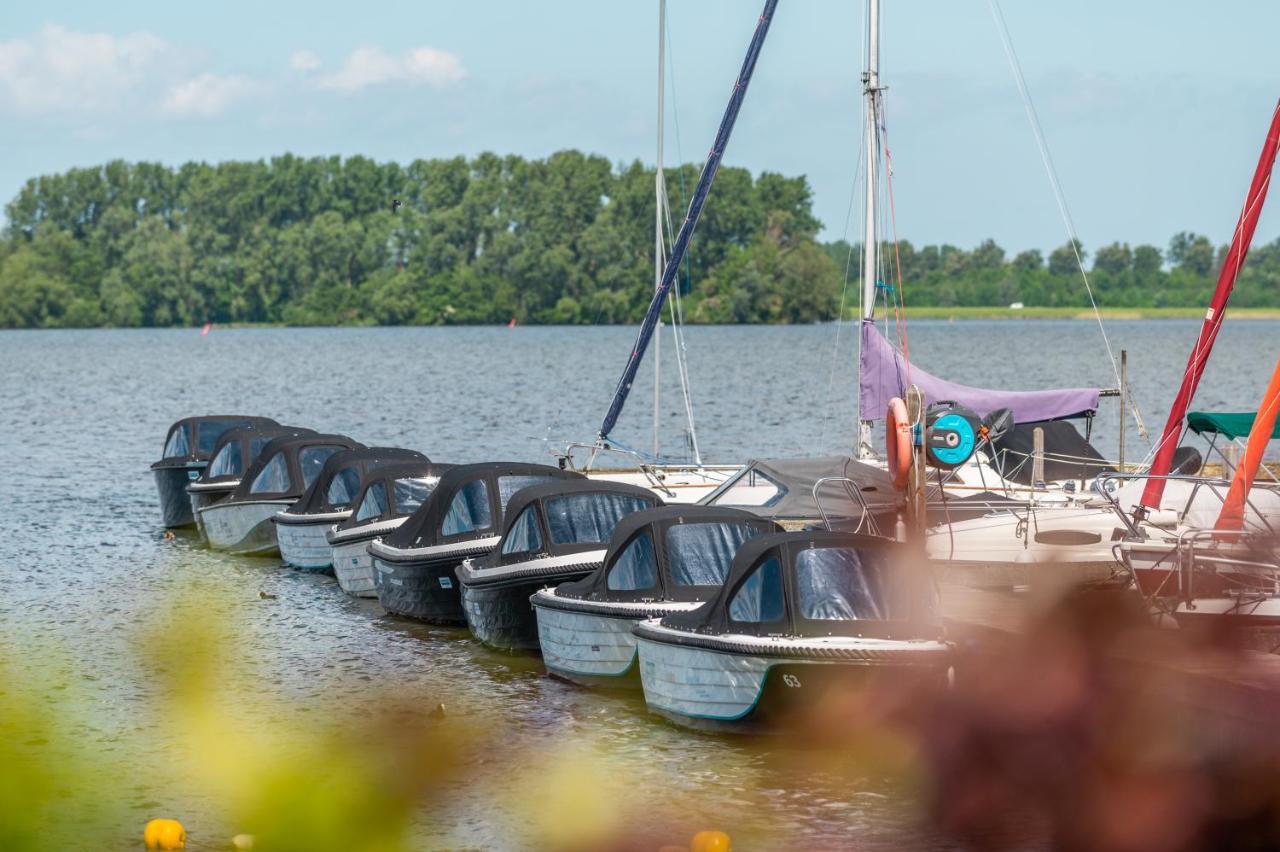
<point>884,376</point>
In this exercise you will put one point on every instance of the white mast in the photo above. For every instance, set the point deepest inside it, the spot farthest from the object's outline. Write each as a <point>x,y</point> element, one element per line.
<point>660,191</point>
<point>870,245</point>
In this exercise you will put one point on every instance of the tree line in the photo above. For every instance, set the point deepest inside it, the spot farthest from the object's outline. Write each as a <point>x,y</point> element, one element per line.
<point>565,239</point>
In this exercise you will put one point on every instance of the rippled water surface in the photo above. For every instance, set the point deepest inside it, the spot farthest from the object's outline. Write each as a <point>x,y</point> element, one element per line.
<point>90,579</point>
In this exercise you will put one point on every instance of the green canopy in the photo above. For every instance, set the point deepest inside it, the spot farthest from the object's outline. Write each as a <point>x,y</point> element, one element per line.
<point>1233,425</point>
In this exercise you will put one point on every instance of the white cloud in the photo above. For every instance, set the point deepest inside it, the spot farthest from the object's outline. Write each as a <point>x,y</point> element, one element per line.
<point>57,69</point>
<point>207,95</point>
<point>304,61</point>
<point>370,66</point>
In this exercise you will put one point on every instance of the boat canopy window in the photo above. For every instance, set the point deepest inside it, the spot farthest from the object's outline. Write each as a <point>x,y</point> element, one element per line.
<point>751,487</point>
<point>274,478</point>
<point>211,430</point>
<point>257,444</point>
<point>700,554</point>
<point>848,584</point>
<point>311,459</point>
<point>227,462</point>
<point>523,535</point>
<point>374,502</point>
<point>178,444</point>
<point>582,518</point>
<point>759,599</point>
<point>509,485</point>
<point>635,568</point>
<point>343,488</point>
<point>469,510</point>
<point>413,492</point>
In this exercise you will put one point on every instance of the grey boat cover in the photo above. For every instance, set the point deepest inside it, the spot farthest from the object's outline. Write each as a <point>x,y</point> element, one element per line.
<point>193,439</point>
<point>1067,455</point>
<point>393,491</point>
<point>286,466</point>
<point>883,374</point>
<point>238,449</point>
<point>817,583</point>
<point>674,553</point>
<point>338,484</point>
<point>793,497</point>
<point>561,517</point>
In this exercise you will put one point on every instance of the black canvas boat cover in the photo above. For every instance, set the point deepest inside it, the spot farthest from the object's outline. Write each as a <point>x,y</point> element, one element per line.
<point>237,449</point>
<point>393,490</point>
<point>675,553</point>
<point>194,438</point>
<point>470,502</point>
<point>816,583</point>
<point>565,516</point>
<point>287,466</point>
<point>1067,455</point>
<point>784,489</point>
<point>338,484</point>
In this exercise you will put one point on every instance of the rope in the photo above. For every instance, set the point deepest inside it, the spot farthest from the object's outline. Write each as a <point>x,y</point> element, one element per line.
<point>1033,118</point>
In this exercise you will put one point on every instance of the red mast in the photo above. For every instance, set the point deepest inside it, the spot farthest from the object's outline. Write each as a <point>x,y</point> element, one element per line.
<point>1154,489</point>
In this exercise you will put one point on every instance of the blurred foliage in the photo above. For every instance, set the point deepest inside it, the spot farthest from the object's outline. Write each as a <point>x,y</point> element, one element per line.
<point>567,239</point>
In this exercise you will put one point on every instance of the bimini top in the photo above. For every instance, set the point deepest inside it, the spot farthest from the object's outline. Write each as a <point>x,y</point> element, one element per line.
<point>287,466</point>
<point>388,493</point>
<point>338,484</point>
<point>1067,455</point>
<point>675,553</point>
<point>815,583</point>
<point>883,374</point>
<point>783,490</point>
<point>237,449</point>
<point>470,502</point>
<point>564,517</point>
<point>193,439</point>
<point>1233,425</point>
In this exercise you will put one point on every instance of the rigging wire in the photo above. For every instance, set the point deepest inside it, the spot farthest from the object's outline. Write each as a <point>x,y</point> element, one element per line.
<point>1033,118</point>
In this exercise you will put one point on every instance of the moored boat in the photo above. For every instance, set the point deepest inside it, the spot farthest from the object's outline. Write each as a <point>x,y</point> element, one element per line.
<point>414,566</point>
<point>188,446</point>
<point>801,614</point>
<point>302,529</point>
<point>387,496</point>
<point>556,531</point>
<point>235,452</point>
<point>659,561</point>
<point>277,478</point>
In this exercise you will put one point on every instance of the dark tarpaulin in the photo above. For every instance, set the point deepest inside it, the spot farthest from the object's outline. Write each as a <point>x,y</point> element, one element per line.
<point>1067,455</point>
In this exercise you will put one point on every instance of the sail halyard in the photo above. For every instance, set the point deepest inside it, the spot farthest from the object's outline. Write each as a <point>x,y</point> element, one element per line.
<point>680,246</point>
<point>1239,250</point>
<point>659,203</point>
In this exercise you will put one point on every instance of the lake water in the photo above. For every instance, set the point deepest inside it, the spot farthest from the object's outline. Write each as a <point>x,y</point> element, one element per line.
<point>92,585</point>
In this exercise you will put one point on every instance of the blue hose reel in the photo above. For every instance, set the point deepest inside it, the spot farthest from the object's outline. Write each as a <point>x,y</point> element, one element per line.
<point>952,433</point>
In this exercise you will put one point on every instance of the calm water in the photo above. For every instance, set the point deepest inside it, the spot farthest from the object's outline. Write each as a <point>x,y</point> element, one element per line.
<point>89,576</point>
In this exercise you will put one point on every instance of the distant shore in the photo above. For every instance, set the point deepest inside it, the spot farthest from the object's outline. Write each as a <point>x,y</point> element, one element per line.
<point>970,313</point>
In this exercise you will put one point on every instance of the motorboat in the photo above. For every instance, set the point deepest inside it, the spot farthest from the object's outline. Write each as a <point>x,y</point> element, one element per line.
<point>284,469</point>
<point>302,529</point>
<point>236,451</point>
<point>188,447</point>
<point>554,532</point>
<point>414,566</point>
<point>660,561</point>
<point>801,615</point>
<point>388,494</point>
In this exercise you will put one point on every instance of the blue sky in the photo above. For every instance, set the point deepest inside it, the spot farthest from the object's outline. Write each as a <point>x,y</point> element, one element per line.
<point>1155,111</point>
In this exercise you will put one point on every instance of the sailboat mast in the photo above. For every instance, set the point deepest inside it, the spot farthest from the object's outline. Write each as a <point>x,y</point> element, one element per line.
<point>870,245</point>
<point>659,196</point>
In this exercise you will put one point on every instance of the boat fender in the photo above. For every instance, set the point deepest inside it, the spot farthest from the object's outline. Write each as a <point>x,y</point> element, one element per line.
<point>897,434</point>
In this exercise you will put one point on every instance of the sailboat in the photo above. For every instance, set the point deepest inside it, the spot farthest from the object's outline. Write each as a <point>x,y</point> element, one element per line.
<point>674,482</point>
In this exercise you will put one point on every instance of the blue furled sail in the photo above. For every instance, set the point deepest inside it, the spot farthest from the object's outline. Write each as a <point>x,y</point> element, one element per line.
<point>705,180</point>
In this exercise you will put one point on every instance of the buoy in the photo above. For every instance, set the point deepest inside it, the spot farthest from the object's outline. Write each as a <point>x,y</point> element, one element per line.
<point>242,841</point>
<point>710,841</point>
<point>898,441</point>
<point>164,834</point>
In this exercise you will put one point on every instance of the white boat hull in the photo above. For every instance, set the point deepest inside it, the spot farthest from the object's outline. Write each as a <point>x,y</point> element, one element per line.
<point>305,545</point>
<point>244,528</point>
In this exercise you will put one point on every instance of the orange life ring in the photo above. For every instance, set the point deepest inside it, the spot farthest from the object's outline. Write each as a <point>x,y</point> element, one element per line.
<point>897,433</point>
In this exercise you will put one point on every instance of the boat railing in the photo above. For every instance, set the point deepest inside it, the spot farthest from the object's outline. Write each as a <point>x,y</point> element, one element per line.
<point>1212,484</point>
<point>855,495</point>
<point>1247,576</point>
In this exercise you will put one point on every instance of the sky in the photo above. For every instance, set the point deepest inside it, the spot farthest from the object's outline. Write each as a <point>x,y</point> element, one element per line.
<point>1154,111</point>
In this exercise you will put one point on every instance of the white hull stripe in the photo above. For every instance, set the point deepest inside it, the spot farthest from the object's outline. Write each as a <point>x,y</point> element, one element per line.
<point>475,545</point>
<point>468,573</point>
<point>299,519</point>
<point>365,532</point>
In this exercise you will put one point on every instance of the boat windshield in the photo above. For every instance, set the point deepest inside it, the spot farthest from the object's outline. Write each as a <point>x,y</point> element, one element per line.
<point>311,460</point>
<point>211,430</point>
<point>374,502</point>
<point>509,485</point>
<point>274,478</point>
<point>469,511</point>
<point>848,584</point>
<point>760,598</point>
<point>178,444</point>
<point>751,487</point>
<point>413,492</point>
<point>523,535</point>
<point>583,518</point>
<point>343,488</point>
<point>635,568</point>
<point>227,461</point>
<point>700,554</point>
